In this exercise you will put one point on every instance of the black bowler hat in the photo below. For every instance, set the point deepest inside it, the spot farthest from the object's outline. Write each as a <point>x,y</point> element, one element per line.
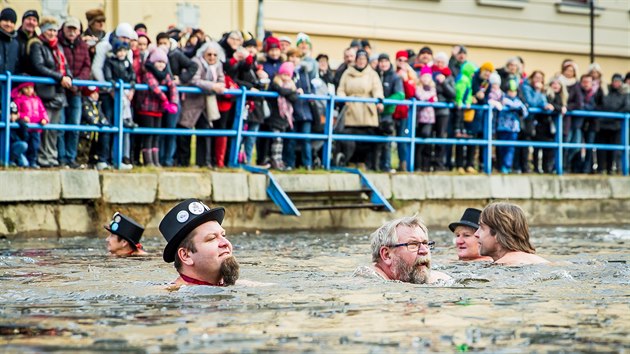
<point>125,227</point>
<point>184,218</point>
<point>469,219</point>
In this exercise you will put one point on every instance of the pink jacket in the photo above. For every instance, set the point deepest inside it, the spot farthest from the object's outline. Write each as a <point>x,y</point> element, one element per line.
<point>31,107</point>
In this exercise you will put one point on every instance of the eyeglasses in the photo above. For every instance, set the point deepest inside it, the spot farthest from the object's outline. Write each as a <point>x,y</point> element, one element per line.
<point>414,246</point>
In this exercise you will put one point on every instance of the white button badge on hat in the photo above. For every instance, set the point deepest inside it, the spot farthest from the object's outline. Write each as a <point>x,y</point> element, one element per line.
<point>182,216</point>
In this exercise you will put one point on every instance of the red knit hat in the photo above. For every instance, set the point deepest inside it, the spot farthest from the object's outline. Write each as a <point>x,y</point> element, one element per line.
<point>88,90</point>
<point>270,43</point>
<point>402,54</point>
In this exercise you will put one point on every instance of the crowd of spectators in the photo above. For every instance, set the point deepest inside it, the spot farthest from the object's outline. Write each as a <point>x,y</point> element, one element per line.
<point>67,51</point>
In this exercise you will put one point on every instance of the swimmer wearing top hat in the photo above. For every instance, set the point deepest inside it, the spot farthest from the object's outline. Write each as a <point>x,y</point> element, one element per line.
<point>124,236</point>
<point>198,246</point>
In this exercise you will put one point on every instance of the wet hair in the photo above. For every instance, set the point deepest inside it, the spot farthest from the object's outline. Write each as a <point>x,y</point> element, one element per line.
<point>508,223</point>
<point>131,244</point>
<point>187,244</point>
<point>386,234</point>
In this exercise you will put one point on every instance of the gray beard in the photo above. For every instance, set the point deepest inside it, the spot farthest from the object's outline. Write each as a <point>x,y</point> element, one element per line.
<point>229,270</point>
<point>414,273</point>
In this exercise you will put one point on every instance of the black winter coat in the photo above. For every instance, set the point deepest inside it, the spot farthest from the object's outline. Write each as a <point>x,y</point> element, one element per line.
<point>43,64</point>
<point>615,101</point>
<point>276,121</point>
<point>9,52</point>
<point>445,93</point>
<point>249,80</point>
<point>115,69</point>
<point>181,65</point>
<point>23,65</point>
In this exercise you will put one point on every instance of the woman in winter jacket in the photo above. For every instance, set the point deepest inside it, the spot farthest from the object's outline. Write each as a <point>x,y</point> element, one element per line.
<point>303,116</point>
<point>48,60</point>
<point>195,113</point>
<point>359,80</point>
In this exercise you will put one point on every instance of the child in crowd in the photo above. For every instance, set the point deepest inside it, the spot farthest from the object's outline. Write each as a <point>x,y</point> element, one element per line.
<point>31,110</point>
<point>495,96</point>
<point>463,99</point>
<point>18,139</point>
<point>509,125</point>
<point>154,102</point>
<point>281,109</point>
<point>425,92</point>
<point>119,67</point>
<point>92,114</point>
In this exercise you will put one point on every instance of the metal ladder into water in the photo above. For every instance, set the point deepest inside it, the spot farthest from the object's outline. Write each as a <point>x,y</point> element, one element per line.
<point>368,197</point>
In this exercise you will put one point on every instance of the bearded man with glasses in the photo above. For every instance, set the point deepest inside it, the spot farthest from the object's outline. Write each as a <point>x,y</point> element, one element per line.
<point>401,251</point>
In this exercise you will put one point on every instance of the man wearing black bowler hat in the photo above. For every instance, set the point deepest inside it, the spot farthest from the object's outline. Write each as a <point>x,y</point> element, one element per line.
<point>197,244</point>
<point>124,236</point>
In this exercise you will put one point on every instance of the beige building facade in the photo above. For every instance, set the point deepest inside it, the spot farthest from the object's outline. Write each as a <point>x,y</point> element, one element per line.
<point>542,32</point>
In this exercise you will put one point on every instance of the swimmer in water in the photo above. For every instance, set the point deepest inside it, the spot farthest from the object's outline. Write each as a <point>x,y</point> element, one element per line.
<point>503,234</point>
<point>401,251</point>
<point>124,236</point>
<point>198,245</point>
<point>465,240</point>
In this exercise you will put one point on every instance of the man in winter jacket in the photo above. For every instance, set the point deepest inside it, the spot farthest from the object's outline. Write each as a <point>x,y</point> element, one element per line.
<point>610,129</point>
<point>9,46</point>
<point>30,21</point>
<point>78,60</point>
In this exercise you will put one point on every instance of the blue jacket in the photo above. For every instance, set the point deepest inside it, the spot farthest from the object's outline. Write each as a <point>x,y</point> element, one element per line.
<point>271,67</point>
<point>533,99</point>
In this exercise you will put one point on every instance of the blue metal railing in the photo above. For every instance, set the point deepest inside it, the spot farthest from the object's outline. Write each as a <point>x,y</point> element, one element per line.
<point>328,136</point>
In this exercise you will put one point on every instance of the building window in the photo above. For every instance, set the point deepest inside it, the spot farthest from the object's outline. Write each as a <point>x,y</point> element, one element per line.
<point>187,15</point>
<point>578,7</point>
<point>511,4</point>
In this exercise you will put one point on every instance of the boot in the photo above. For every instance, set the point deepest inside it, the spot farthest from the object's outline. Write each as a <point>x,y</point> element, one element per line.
<point>220,146</point>
<point>147,157</point>
<point>155,152</point>
<point>403,166</point>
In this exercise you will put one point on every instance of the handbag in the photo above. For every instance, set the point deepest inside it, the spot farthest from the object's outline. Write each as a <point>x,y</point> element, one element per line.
<point>212,108</point>
<point>469,115</point>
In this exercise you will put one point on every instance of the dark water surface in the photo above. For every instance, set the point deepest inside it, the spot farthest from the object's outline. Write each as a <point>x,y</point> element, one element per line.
<point>67,295</point>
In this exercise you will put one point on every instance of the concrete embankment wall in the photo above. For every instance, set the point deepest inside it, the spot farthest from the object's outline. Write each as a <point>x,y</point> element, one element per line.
<point>71,202</point>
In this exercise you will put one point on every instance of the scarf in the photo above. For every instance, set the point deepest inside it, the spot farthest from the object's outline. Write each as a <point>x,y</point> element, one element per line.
<point>444,71</point>
<point>60,58</point>
<point>159,75</point>
<point>285,107</point>
<point>197,281</point>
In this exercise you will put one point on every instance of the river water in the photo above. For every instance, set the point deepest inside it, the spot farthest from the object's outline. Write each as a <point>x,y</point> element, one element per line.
<point>68,295</point>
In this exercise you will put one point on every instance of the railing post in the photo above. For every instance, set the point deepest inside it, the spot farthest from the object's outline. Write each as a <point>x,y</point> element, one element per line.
<point>411,127</point>
<point>118,122</point>
<point>328,130</point>
<point>487,136</point>
<point>560,142</point>
<point>5,138</point>
<point>625,155</point>
<point>238,125</point>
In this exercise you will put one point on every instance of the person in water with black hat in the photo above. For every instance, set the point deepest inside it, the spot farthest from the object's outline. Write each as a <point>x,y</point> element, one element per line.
<point>124,236</point>
<point>198,246</point>
<point>465,240</point>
